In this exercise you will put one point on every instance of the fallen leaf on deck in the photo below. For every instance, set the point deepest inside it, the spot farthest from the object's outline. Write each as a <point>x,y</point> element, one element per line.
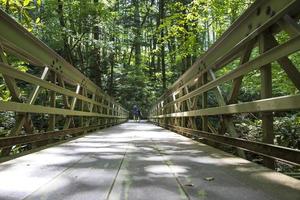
<point>209,178</point>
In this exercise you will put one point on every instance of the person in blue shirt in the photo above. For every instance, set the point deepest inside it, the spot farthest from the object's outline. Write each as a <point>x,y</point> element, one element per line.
<point>136,113</point>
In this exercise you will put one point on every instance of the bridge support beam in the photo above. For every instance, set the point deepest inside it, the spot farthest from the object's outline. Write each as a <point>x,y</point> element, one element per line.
<point>266,92</point>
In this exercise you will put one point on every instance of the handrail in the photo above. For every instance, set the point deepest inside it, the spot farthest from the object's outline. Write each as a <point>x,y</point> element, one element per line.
<point>184,107</point>
<point>74,104</point>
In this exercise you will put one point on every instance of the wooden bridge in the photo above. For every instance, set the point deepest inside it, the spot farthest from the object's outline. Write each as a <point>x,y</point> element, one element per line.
<point>87,148</point>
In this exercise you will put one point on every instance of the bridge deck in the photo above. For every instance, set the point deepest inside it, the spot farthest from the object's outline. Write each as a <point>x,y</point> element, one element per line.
<point>139,161</point>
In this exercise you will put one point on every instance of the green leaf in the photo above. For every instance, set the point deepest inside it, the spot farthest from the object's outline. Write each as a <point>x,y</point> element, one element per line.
<point>26,2</point>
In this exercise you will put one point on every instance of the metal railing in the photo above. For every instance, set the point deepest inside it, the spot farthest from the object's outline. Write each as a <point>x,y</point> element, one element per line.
<point>184,106</point>
<point>61,101</point>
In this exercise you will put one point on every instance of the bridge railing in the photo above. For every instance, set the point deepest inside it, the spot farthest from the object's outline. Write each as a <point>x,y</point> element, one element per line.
<point>185,107</point>
<point>52,99</point>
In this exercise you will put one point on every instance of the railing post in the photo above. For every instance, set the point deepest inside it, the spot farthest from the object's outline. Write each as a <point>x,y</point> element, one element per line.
<point>204,104</point>
<point>51,122</point>
<point>266,92</point>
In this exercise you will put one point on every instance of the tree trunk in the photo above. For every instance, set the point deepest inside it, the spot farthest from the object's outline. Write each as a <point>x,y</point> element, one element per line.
<point>137,31</point>
<point>66,51</point>
<point>111,78</point>
<point>162,48</point>
<point>96,68</point>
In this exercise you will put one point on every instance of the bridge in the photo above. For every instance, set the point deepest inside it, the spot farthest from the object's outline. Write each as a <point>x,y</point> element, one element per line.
<point>89,149</point>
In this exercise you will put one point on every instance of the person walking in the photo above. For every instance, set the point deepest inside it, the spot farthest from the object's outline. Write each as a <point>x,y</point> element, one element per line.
<point>136,113</point>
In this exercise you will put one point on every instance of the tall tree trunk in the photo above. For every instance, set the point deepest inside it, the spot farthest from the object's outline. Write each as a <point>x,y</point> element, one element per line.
<point>188,58</point>
<point>111,78</point>
<point>66,51</point>
<point>137,31</point>
<point>162,48</point>
<point>152,63</point>
<point>96,60</point>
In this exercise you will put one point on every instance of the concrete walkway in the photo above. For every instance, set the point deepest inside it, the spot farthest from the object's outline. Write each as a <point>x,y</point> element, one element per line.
<point>138,161</point>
